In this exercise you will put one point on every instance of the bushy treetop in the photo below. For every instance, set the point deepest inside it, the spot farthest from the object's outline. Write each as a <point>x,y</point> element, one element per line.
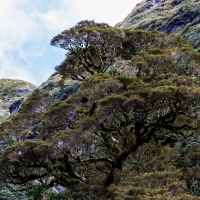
<point>91,48</point>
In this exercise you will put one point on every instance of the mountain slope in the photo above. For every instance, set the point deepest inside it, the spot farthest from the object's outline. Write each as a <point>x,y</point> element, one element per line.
<point>147,99</point>
<point>178,17</point>
<point>58,88</point>
<point>12,93</point>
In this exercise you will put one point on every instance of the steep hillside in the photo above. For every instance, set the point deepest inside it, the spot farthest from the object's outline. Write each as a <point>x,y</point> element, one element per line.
<point>12,93</point>
<point>130,130</point>
<point>58,88</point>
<point>179,17</point>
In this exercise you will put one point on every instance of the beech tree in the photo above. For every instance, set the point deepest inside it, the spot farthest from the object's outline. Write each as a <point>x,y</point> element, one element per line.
<point>114,116</point>
<point>91,48</point>
<point>126,116</point>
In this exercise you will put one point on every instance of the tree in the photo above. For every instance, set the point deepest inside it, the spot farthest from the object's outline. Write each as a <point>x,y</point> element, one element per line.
<point>91,48</point>
<point>128,115</point>
<point>97,136</point>
<point>25,124</point>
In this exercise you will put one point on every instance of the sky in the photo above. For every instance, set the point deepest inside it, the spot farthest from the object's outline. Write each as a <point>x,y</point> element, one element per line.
<point>27,27</point>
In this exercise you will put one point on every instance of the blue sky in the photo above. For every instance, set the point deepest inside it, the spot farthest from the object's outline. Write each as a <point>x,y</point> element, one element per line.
<point>27,26</point>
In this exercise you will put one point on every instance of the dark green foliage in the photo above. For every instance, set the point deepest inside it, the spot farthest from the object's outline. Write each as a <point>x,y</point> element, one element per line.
<point>91,48</point>
<point>40,192</point>
<point>125,134</point>
<point>35,193</point>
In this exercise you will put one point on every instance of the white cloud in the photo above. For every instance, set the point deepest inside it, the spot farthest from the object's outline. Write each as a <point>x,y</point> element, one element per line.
<point>73,11</point>
<point>104,10</point>
<point>9,68</point>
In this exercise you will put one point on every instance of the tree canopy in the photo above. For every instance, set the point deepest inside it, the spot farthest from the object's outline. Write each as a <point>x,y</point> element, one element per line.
<point>131,131</point>
<point>91,48</point>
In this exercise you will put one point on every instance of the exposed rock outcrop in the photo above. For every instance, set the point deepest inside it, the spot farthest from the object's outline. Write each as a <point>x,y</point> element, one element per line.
<point>21,90</point>
<point>12,93</point>
<point>15,106</point>
<point>177,17</point>
<point>63,93</point>
<point>59,89</point>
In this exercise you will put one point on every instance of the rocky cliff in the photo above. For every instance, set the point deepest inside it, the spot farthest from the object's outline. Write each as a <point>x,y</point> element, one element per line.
<point>12,93</point>
<point>178,17</point>
<point>58,88</point>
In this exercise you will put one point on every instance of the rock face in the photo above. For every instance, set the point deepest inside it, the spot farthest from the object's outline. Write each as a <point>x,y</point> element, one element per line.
<point>58,89</point>
<point>12,94</point>
<point>178,17</point>
<point>15,106</point>
<point>63,93</point>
